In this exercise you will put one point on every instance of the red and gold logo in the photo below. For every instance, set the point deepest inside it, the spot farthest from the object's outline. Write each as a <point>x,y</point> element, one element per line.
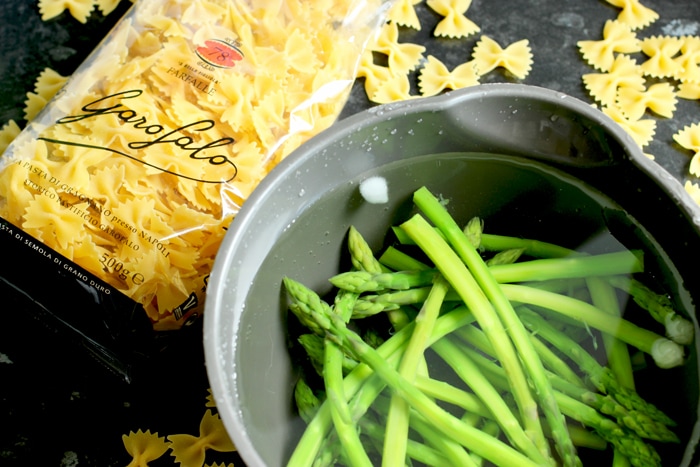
<point>219,53</point>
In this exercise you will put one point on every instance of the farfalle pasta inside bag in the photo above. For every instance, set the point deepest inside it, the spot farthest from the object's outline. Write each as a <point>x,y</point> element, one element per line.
<point>121,189</point>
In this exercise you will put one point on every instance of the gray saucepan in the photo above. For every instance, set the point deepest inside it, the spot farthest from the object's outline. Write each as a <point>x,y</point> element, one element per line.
<point>521,157</point>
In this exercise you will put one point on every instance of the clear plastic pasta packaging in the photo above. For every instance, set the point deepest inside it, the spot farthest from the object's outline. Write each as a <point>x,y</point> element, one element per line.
<point>119,192</point>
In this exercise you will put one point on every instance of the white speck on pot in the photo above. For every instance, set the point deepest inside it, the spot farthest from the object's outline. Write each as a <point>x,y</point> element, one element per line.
<point>375,190</point>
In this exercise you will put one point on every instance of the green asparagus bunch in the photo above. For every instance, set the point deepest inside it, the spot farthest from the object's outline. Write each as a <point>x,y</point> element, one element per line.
<point>493,313</point>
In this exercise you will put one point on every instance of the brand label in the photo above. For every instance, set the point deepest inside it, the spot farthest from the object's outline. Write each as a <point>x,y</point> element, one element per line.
<point>155,136</point>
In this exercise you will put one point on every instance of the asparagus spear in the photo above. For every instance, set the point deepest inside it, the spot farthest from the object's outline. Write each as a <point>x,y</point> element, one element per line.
<point>353,451</point>
<point>397,423</point>
<point>397,260</point>
<point>640,421</point>
<point>363,281</point>
<point>472,376</point>
<point>598,374</point>
<point>454,453</point>
<point>306,400</point>
<point>313,344</point>
<point>415,450</point>
<point>665,352</point>
<point>361,254</point>
<point>481,443</point>
<point>603,296</point>
<point>502,269</point>
<point>640,454</point>
<point>530,361</point>
<point>364,260</point>
<point>678,328</point>
<point>461,280</point>
<point>316,431</point>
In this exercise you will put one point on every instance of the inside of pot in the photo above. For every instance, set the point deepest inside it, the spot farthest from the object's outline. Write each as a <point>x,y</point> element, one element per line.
<point>532,165</point>
<point>514,196</point>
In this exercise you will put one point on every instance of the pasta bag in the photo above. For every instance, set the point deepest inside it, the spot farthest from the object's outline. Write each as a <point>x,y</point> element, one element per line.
<point>122,187</point>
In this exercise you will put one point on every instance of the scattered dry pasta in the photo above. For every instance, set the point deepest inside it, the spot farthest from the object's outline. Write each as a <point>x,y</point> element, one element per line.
<point>660,98</point>
<point>374,75</point>
<point>394,89</point>
<point>144,447</point>
<point>516,58</point>
<point>392,82</point>
<point>402,57</point>
<point>689,138</point>
<point>79,9</point>
<point>693,189</point>
<point>187,450</point>
<point>624,72</point>
<point>8,133</point>
<point>435,77</point>
<point>136,169</point>
<point>661,51</point>
<point>689,90</point>
<point>403,13</point>
<point>641,131</point>
<point>634,13</point>
<point>617,37</point>
<point>454,23</point>
<point>210,399</point>
<point>191,450</point>
<point>688,60</point>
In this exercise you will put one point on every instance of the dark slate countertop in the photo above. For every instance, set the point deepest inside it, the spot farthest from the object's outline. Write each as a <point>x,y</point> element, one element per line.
<point>58,407</point>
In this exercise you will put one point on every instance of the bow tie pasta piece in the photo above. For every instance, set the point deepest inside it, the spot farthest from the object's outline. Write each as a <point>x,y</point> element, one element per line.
<point>107,6</point>
<point>403,13</point>
<point>202,13</point>
<point>79,9</point>
<point>402,57</point>
<point>397,88</point>
<point>689,90</point>
<point>135,68</point>
<point>48,221</point>
<point>634,14</point>
<point>489,55</point>
<point>190,450</point>
<point>661,51</point>
<point>435,77</point>
<point>641,131</point>
<point>8,133</point>
<point>144,447</point>
<point>689,60</point>
<point>454,23</point>
<point>694,166</point>
<point>623,72</point>
<point>48,83</point>
<point>693,189</point>
<point>660,98</point>
<point>374,75</point>
<point>617,37</point>
<point>46,86</point>
<point>689,137</point>
<point>299,52</point>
